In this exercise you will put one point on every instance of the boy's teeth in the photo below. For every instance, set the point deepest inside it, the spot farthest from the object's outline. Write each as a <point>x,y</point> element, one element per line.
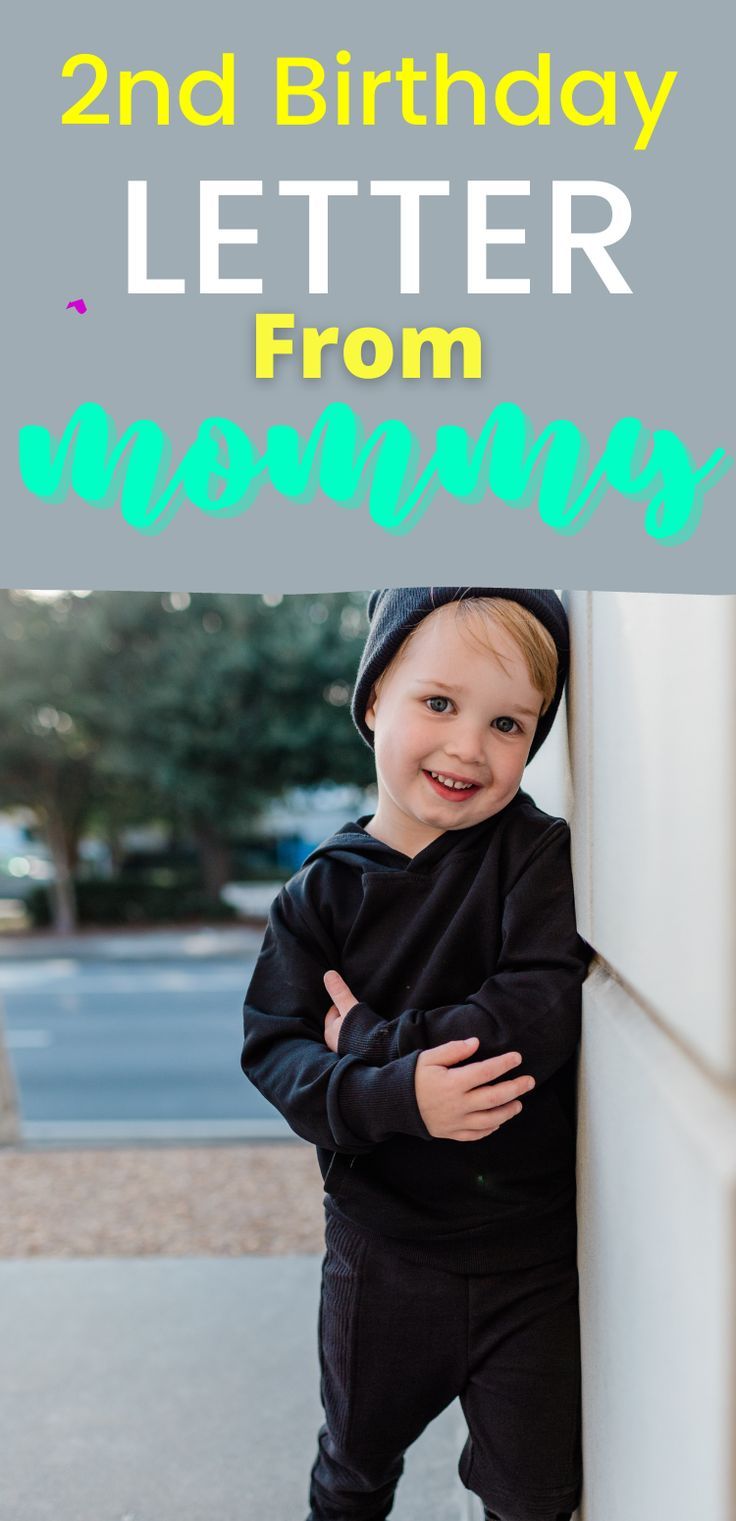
<point>447,781</point>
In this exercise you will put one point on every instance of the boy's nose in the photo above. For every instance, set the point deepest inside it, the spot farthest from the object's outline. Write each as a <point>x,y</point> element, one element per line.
<point>467,746</point>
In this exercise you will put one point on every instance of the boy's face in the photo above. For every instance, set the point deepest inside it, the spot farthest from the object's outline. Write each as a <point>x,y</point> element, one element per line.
<point>447,707</point>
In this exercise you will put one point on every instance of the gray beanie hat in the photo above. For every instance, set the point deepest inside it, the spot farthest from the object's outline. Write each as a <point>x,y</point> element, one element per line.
<point>394,612</point>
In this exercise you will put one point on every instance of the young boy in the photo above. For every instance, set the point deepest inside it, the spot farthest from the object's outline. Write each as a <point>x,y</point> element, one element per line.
<point>443,929</point>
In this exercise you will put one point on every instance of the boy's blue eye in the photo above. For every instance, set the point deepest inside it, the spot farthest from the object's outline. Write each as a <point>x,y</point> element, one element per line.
<point>431,704</point>
<point>506,725</point>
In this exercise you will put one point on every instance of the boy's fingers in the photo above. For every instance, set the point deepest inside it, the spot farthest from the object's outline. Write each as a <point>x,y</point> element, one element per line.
<point>490,1120</point>
<point>492,1096</point>
<point>339,992</point>
<point>452,1051</point>
<point>492,1067</point>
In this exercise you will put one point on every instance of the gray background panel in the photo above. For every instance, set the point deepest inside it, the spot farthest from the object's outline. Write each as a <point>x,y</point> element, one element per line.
<point>662,354</point>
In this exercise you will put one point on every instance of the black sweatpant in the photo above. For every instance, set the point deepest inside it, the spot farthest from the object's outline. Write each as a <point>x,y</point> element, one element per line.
<point>398,1342</point>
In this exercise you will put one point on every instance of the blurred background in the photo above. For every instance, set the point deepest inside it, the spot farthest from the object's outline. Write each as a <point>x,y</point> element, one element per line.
<point>166,762</point>
<point>155,748</point>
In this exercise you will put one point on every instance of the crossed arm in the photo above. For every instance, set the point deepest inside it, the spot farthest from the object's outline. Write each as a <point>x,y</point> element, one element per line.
<point>531,1003</point>
<point>453,1104</point>
<point>341,1101</point>
<point>350,1079</point>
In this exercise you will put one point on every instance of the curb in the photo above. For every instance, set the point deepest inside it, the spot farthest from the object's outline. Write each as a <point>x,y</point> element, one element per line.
<point>40,1133</point>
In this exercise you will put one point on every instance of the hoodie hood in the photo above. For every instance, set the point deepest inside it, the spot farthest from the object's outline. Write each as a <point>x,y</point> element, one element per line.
<point>353,845</point>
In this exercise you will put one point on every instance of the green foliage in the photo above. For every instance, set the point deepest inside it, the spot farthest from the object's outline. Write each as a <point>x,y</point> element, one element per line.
<point>229,701</point>
<point>50,697</point>
<point>194,711</point>
<point>133,901</point>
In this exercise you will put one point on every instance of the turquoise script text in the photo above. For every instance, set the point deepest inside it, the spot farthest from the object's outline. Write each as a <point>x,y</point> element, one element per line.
<point>222,471</point>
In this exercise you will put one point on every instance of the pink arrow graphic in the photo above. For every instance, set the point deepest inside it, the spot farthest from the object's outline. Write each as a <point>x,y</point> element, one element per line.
<point>79,306</point>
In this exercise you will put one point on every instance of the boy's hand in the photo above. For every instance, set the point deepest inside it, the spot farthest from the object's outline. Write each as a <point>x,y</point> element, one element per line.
<point>342,1002</point>
<point>455,1106</point>
<point>460,1106</point>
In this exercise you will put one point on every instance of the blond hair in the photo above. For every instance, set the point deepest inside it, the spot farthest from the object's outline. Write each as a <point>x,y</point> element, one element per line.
<point>481,615</point>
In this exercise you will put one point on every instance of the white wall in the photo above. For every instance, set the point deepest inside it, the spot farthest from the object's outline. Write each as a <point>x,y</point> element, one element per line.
<point>547,778</point>
<point>652,719</point>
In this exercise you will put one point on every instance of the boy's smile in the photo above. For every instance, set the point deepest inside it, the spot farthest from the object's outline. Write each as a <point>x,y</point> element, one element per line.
<point>447,784</point>
<point>453,718</point>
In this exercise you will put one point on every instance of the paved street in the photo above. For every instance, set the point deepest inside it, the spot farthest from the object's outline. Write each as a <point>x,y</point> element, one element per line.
<point>111,1046</point>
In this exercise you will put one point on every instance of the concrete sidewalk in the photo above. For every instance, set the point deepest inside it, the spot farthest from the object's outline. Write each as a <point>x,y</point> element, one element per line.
<point>161,1389</point>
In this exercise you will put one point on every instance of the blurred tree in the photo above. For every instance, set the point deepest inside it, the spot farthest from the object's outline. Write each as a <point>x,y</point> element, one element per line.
<point>222,702</point>
<point>197,710</point>
<point>48,748</point>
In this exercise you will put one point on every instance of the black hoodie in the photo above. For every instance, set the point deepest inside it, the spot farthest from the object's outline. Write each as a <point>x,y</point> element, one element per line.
<point>475,935</point>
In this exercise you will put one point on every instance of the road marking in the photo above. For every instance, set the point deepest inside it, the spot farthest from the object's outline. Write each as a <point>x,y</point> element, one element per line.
<point>27,1040</point>
<point>30,980</point>
<point>27,973</point>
